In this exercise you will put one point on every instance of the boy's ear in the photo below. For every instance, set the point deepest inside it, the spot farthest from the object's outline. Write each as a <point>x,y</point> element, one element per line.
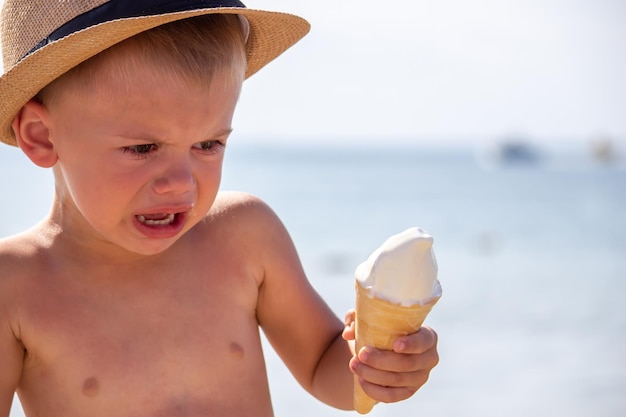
<point>33,136</point>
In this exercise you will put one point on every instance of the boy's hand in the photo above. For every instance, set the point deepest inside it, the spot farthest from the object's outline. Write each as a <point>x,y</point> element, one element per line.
<point>391,376</point>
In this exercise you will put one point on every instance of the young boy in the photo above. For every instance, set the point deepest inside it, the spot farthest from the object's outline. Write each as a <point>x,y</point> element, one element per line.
<point>143,291</point>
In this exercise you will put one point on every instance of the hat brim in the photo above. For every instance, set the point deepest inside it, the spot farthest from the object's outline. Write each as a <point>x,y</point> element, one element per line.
<point>271,33</point>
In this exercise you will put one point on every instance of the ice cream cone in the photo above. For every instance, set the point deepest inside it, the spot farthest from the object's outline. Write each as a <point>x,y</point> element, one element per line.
<point>378,324</point>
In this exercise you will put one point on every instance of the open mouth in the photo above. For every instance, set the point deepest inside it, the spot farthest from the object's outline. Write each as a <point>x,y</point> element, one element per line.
<point>158,219</point>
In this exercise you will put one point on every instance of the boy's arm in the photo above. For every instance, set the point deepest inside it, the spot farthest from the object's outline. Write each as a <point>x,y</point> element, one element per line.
<point>314,344</point>
<point>302,329</point>
<point>11,360</point>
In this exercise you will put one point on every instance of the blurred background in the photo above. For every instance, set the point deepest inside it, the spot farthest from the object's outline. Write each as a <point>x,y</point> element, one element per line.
<point>447,70</point>
<point>499,127</point>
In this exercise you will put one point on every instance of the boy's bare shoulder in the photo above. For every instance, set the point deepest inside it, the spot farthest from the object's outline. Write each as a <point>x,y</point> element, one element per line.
<point>228,200</point>
<point>245,221</point>
<point>241,208</point>
<point>18,255</point>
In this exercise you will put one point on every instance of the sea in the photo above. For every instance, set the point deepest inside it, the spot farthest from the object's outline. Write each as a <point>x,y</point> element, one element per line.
<point>531,253</point>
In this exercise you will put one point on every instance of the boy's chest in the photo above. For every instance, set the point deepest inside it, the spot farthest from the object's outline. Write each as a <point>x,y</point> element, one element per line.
<point>172,337</point>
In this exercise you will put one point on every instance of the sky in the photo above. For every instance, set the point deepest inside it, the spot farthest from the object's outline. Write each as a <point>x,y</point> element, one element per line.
<point>444,70</point>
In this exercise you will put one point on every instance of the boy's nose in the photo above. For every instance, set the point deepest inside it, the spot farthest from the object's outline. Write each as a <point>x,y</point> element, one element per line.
<point>177,179</point>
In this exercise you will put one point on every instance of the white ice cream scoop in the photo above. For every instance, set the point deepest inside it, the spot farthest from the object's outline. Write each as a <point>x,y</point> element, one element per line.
<point>402,270</point>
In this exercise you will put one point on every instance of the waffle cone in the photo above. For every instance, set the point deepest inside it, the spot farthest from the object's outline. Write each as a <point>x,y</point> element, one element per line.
<point>378,324</point>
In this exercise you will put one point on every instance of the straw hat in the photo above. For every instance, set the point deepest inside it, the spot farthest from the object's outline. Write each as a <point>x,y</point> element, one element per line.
<point>43,39</point>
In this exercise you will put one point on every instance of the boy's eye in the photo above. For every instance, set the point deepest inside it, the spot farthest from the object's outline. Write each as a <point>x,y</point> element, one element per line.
<point>209,145</point>
<point>140,149</point>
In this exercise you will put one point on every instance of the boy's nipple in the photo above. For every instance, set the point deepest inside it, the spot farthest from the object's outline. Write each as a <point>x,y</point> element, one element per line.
<point>236,350</point>
<point>91,386</point>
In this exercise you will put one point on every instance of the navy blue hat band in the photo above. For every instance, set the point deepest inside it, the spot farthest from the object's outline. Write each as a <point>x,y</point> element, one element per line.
<point>123,9</point>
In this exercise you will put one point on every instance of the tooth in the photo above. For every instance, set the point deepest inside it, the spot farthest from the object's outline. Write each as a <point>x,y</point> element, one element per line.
<point>169,219</point>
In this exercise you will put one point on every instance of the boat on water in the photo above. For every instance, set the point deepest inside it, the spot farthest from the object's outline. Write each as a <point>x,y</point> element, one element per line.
<point>516,152</point>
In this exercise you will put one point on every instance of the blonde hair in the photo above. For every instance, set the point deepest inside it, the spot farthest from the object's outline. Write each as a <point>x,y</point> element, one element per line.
<point>190,51</point>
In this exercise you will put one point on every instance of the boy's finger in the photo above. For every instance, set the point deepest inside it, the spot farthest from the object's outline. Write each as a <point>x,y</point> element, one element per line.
<point>386,394</point>
<point>419,342</point>
<point>348,331</point>
<point>398,362</point>
<point>349,319</point>
<point>388,386</point>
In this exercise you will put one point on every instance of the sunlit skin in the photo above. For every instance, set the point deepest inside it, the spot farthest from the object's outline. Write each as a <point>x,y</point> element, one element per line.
<point>142,293</point>
<point>149,148</point>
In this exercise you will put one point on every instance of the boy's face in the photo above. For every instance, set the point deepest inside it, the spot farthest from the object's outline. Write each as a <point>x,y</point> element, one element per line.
<point>139,160</point>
